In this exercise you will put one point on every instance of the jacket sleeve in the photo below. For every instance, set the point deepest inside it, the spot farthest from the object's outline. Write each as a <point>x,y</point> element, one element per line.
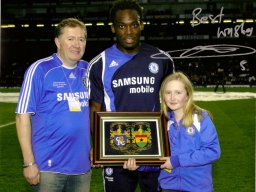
<point>207,150</point>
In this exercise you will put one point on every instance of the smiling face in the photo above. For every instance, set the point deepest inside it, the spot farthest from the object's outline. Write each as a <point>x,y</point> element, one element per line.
<point>127,27</point>
<point>175,96</point>
<point>71,45</point>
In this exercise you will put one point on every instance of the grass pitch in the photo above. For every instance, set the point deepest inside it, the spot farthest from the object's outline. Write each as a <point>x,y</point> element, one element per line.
<point>234,172</point>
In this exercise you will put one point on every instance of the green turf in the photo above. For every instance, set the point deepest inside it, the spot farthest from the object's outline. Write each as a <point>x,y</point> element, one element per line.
<point>9,90</point>
<point>229,89</point>
<point>234,172</point>
<point>235,123</point>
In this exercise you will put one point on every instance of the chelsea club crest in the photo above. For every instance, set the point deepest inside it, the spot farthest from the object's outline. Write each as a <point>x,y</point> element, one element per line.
<point>109,171</point>
<point>86,81</point>
<point>190,131</point>
<point>153,67</point>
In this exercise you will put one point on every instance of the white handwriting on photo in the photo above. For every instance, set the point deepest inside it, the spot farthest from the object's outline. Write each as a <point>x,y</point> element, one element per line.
<point>236,31</point>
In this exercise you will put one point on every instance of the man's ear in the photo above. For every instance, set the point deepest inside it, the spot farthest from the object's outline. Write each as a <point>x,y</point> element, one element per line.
<point>113,28</point>
<point>57,43</point>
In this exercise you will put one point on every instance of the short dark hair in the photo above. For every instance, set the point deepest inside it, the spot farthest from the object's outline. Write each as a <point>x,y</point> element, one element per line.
<point>125,4</point>
<point>69,22</point>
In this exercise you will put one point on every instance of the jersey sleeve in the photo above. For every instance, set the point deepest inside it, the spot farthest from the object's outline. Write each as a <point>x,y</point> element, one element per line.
<point>96,88</point>
<point>31,90</point>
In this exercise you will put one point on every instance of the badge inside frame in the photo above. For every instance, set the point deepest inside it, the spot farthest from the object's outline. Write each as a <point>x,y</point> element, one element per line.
<point>118,136</point>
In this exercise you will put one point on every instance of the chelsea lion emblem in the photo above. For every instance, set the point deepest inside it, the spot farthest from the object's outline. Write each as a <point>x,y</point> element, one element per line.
<point>153,67</point>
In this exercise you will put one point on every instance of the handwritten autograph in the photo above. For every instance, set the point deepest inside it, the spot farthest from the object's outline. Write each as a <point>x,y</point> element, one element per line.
<point>235,31</point>
<point>208,51</point>
<point>242,63</point>
<point>197,19</point>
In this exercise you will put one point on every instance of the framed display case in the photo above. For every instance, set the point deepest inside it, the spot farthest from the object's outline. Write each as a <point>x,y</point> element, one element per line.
<point>118,136</point>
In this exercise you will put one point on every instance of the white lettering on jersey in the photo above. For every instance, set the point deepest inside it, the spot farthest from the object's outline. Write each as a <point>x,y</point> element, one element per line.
<point>78,95</point>
<point>142,89</point>
<point>59,84</point>
<point>133,81</point>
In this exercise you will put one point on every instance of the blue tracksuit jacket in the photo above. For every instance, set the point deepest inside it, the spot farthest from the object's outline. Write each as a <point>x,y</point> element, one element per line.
<point>193,150</point>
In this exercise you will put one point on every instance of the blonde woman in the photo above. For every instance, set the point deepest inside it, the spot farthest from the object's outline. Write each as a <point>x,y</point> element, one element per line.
<point>193,139</point>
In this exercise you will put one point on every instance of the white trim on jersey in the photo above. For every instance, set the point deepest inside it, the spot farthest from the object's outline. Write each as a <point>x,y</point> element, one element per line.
<point>52,69</point>
<point>91,63</point>
<point>106,96</point>
<point>25,94</point>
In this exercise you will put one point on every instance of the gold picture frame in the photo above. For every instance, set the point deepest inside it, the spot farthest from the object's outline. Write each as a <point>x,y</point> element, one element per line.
<point>118,136</point>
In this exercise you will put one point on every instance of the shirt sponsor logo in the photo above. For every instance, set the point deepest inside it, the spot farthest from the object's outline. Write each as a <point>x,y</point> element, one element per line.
<point>133,81</point>
<point>140,84</point>
<point>142,89</point>
<point>77,95</point>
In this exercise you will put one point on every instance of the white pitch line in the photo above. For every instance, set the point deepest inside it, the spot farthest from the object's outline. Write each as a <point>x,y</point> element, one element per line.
<point>5,125</point>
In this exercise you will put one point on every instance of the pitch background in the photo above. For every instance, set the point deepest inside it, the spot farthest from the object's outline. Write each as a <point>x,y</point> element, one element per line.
<point>234,121</point>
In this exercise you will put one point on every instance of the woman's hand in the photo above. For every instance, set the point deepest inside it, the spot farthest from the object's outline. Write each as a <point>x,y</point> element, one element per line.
<point>167,164</point>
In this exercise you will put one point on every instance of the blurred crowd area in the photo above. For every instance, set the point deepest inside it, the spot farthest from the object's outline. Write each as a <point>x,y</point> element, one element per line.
<point>203,72</point>
<point>167,26</point>
<point>235,65</point>
<point>223,70</point>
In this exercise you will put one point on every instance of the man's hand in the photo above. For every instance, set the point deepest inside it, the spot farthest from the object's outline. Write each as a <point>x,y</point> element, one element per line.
<point>130,164</point>
<point>32,174</point>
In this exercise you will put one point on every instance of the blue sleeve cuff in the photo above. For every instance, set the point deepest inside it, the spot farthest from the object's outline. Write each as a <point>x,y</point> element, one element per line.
<point>175,161</point>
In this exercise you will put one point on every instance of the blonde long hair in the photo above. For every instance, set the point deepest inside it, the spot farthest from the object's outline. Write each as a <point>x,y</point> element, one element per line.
<point>190,107</point>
